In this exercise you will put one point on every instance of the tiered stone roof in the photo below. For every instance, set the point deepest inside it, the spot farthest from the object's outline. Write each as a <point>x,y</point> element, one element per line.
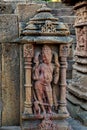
<point>45,28</point>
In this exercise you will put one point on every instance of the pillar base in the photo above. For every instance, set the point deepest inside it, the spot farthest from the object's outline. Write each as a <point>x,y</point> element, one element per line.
<point>43,122</point>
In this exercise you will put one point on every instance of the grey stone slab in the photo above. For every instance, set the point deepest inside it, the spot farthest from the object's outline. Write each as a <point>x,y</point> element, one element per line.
<point>26,11</point>
<point>76,125</point>
<point>10,84</point>
<point>8,27</point>
<point>62,11</point>
<point>5,8</point>
<point>82,117</point>
<point>10,128</point>
<point>67,19</point>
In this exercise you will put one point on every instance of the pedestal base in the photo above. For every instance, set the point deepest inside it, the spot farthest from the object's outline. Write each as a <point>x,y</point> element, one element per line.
<point>45,122</point>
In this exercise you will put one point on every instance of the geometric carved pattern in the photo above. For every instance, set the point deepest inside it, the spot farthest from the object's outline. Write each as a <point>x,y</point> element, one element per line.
<point>28,50</point>
<point>48,27</point>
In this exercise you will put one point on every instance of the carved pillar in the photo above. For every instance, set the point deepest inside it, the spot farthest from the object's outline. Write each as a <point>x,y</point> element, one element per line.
<point>63,67</point>
<point>28,54</point>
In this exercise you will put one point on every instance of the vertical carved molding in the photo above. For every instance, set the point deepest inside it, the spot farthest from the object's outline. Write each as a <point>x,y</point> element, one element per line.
<point>28,54</point>
<point>63,67</point>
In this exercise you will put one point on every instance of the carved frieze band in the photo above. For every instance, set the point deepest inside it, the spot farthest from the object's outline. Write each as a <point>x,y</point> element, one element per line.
<point>81,34</point>
<point>81,15</point>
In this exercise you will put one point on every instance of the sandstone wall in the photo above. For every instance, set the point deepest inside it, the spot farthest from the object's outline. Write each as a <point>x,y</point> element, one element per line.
<point>9,67</point>
<point>11,64</point>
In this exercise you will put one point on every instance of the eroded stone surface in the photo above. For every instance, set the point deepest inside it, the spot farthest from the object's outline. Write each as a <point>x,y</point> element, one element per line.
<point>10,84</point>
<point>26,11</point>
<point>8,27</point>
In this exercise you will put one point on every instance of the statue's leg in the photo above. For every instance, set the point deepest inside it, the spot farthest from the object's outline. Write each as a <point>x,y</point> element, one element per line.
<point>49,97</point>
<point>39,93</point>
<point>55,97</point>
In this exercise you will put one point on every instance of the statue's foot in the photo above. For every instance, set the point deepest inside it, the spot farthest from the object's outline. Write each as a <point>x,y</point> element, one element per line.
<point>63,111</point>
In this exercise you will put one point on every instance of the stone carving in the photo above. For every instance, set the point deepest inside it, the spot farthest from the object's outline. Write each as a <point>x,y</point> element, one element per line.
<point>48,27</point>
<point>64,50</point>
<point>81,39</point>
<point>47,124</point>
<point>45,74</point>
<point>81,16</point>
<point>28,50</point>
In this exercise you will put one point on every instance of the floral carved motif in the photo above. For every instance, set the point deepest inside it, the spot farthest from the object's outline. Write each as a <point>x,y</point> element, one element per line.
<point>28,50</point>
<point>48,27</point>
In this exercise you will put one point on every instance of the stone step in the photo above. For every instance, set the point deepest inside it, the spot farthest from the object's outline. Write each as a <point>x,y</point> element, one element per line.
<point>77,92</point>
<point>63,12</point>
<point>57,5</point>
<point>76,101</point>
<point>67,19</point>
<point>10,128</point>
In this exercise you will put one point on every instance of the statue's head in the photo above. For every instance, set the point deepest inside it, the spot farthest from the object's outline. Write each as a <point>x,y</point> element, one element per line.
<point>46,54</point>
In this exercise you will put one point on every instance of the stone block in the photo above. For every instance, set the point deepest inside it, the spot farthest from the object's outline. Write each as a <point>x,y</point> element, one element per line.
<point>8,27</point>
<point>73,109</point>
<point>82,117</point>
<point>56,5</point>
<point>10,85</point>
<point>42,124</point>
<point>5,8</point>
<point>26,11</point>
<point>62,12</point>
<point>67,19</point>
<point>10,128</point>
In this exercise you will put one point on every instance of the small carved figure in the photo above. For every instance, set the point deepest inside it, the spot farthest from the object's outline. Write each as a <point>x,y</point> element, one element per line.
<point>81,38</point>
<point>43,77</point>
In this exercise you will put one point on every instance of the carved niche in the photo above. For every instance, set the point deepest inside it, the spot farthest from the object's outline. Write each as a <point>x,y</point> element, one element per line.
<point>81,38</point>
<point>45,77</point>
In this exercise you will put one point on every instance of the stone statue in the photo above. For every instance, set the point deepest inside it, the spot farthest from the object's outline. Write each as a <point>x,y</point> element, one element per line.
<point>46,76</point>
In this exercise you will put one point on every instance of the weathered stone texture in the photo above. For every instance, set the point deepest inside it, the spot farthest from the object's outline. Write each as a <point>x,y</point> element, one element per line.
<point>63,11</point>
<point>26,11</point>
<point>5,8</point>
<point>0,82</point>
<point>10,84</point>
<point>8,27</point>
<point>66,14</point>
<point>56,5</point>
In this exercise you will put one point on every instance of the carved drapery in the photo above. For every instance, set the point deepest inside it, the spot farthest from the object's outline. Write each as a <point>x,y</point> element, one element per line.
<point>28,54</point>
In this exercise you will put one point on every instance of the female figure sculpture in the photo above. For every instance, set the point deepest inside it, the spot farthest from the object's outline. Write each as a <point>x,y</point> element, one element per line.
<point>43,76</point>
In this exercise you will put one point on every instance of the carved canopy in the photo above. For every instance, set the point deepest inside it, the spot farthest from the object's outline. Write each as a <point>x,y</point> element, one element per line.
<point>45,28</point>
